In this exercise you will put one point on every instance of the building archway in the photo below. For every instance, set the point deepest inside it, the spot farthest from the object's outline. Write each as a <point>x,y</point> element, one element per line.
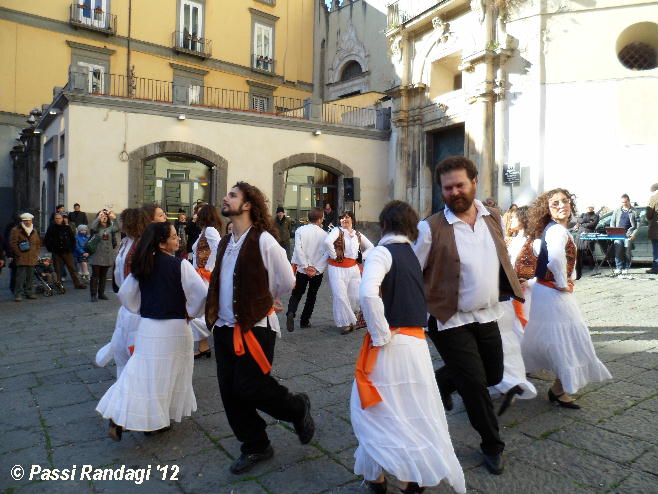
<point>323,162</point>
<point>183,180</point>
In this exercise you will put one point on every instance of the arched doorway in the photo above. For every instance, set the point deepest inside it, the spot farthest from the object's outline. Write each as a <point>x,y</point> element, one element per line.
<point>306,187</point>
<point>177,183</point>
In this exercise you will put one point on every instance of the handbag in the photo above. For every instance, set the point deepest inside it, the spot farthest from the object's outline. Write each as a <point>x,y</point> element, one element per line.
<point>24,246</point>
<point>92,244</point>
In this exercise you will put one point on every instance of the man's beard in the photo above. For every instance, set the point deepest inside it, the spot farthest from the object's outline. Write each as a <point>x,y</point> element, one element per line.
<point>460,203</point>
<point>227,213</point>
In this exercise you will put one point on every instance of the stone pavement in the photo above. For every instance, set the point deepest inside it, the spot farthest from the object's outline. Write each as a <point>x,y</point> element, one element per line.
<point>49,389</point>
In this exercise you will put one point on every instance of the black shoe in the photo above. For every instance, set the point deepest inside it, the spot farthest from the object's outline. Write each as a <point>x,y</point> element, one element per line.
<point>205,353</point>
<point>94,298</point>
<point>305,427</point>
<point>102,296</point>
<point>494,463</point>
<point>290,322</point>
<point>508,398</point>
<point>564,404</point>
<point>412,488</point>
<point>377,487</point>
<point>305,324</point>
<point>246,461</point>
<point>115,431</point>
<point>347,330</point>
<point>446,397</point>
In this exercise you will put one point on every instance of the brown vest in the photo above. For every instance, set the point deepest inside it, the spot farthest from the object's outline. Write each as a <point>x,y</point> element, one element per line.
<point>252,299</point>
<point>339,245</point>
<point>202,251</point>
<point>441,274</point>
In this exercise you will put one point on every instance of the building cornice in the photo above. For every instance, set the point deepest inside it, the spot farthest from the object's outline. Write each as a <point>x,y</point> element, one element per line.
<point>64,27</point>
<point>97,49</point>
<point>187,68</point>
<point>14,119</point>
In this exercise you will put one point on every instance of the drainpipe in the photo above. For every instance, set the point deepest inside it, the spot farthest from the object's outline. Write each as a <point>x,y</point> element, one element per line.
<point>129,71</point>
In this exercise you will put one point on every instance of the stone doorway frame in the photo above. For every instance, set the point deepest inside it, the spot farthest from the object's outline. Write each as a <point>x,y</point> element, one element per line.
<point>332,165</point>
<point>217,164</point>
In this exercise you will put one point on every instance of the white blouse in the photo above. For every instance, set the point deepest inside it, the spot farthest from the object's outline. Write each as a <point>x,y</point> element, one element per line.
<point>557,237</point>
<point>193,286</point>
<point>374,270</point>
<point>213,237</point>
<point>351,244</point>
<point>120,261</point>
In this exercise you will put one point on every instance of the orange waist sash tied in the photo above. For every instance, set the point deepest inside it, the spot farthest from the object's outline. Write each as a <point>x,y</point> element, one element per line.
<point>204,273</point>
<point>551,284</point>
<point>365,364</point>
<point>239,340</point>
<point>518,310</point>
<point>347,263</point>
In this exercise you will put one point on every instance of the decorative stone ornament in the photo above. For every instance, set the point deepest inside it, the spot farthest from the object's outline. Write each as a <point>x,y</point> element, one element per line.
<point>349,48</point>
<point>442,28</point>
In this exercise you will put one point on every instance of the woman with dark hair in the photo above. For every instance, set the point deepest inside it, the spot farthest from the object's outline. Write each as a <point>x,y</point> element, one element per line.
<point>204,251</point>
<point>556,337</point>
<point>507,219</point>
<point>154,213</point>
<point>156,383</point>
<point>512,322</point>
<point>103,227</point>
<point>192,230</point>
<point>345,246</point>
<point>396,409</point>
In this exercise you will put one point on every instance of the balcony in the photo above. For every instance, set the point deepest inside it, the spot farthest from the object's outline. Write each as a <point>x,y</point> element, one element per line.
<point>402,11</point>
<point>262,63</point>
<point>81,15</point>
<point>352,116</point>
<point>191,44</point>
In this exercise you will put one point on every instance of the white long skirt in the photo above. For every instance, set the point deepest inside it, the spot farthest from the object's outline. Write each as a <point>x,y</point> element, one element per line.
<point>406,434</point>
<point>155,387</point>
<point>557,339</point>
<point>344,283</point>
<point>122,338</point>
<point>199,329</point>
<point>514,373</point>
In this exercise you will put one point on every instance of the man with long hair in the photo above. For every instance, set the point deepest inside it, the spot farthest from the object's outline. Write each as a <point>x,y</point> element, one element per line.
<point>467,271</point>
<point>251,272</point>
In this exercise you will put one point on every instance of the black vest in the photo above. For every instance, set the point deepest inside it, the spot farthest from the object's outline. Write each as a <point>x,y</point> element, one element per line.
<point>402,289</point>
<point>162,293</point>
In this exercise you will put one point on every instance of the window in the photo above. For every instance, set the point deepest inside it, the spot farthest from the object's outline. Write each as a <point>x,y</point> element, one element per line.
<point>90,67</point>
<point>263,47</point>
<point>261,96</point>
<point>61,145</point>
<point>194,94</point>
<point>637,46</point>
<point>94,13</point>
<point>351,70</point>
<point>188,84</point>
<point>178,174</point>
<point>191,25</point>
<point>260,103</point>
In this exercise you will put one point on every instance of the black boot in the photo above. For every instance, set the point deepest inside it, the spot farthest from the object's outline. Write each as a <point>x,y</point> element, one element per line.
<point>101,288</point>
<point>93,288</point>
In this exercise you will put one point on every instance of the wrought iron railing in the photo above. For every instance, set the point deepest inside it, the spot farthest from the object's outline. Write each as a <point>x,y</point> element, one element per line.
<point>190,43</point>
<point>349,115</point>
<point>402,11</point>
<point>83,15</point>
<point>262,62</point>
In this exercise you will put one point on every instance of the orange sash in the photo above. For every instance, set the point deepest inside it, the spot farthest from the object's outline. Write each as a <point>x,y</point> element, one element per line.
<point>204,273</point>
<point>347,263</point>
<point>239,340</point>
<point>518,310</point>
<point>365,363</point>
<point>551,284</point>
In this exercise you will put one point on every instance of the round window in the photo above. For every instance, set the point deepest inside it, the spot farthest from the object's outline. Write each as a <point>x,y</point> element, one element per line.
<point>637,46</point>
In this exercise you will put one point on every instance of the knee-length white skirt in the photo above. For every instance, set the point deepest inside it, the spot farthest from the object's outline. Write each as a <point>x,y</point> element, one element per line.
<point>155,386</point>
<point>406,434</point>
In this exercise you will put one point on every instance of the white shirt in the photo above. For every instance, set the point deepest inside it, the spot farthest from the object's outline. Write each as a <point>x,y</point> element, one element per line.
<point>557,237</point>
<point>374,270</point>
<point>193,286</point>
<point>515,246</point>
<point>120,261</point>
<point>309,248</point>
<point>213,237</point>
<point>479,268</point>
<point>351,244</point>
<point>279,273</point>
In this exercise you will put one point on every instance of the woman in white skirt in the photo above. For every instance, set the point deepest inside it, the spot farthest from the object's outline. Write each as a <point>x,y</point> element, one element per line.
<point>204,252</point>
<point>511,323</point>
<point>556,337</point>
<point>343,245</point>
<point>396,408</point>
<point>155,387</point>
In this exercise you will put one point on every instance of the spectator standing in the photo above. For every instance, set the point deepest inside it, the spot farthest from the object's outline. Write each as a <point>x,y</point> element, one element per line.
<point>587,224</point>
<point>652,218</point>
<point>16,221</point>
<point>25,245</point>
<point>283,226</point>
<point>58,209</point>
<point>61,242</point>
<point>80,254</point>
<point>77,217</point>
<point>104,226</point>
<point>329,217</point>
<point>192,230</point>
<point>624,217</point>
<point>181,224</point>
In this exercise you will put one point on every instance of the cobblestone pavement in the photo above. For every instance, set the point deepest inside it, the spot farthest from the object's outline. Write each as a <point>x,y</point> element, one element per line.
<point>49,389</point>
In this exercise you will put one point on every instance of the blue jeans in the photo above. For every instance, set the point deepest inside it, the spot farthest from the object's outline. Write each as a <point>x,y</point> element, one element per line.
<point>623,254</point>
<point>654,245</point>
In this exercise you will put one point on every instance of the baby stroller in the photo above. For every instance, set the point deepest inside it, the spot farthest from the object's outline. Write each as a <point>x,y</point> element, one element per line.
<point>47,284</point>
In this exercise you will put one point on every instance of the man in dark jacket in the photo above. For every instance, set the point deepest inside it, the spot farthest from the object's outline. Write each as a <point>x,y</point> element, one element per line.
<point>61,242</point>
<point>283,226</point>
<point>587,224</point>
<point>77,217</point>
<point>25,244</point>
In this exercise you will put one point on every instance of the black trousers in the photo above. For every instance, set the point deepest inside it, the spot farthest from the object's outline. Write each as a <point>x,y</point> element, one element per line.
<point>302,280</point>
<point>245,389</point>
<point>473,357</point>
